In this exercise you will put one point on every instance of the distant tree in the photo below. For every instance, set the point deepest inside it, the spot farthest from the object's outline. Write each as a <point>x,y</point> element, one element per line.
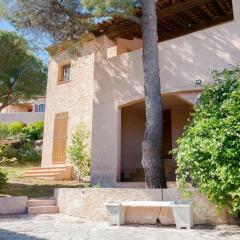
<point>208,155</point>
<point>2,9</point>
<point>70,19</point>
<point>22,75</point>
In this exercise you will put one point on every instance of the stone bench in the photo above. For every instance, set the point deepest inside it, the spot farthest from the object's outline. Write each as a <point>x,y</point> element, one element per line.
<point>182,211</point>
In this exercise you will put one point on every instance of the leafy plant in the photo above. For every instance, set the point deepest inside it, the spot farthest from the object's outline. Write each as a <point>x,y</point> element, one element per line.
<point>34,131</point>
<point>22,153</point>
<point>4,132</point>
<point>3,179</point>
<point>79,152</point>
<point>208,155</point>
<point>15,128</point>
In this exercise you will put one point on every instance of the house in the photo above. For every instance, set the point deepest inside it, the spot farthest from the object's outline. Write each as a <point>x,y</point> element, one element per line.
<point>25,110</point>
<point>34,105</point>
<point>103,88</point>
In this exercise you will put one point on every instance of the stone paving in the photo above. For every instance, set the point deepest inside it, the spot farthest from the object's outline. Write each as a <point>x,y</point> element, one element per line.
<point>44,227</point>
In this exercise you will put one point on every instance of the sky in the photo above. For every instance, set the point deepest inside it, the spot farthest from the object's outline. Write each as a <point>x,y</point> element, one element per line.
<point>42,54</point>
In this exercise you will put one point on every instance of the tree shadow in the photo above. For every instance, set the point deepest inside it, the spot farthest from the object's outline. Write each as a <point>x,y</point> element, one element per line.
<point>6,234</point>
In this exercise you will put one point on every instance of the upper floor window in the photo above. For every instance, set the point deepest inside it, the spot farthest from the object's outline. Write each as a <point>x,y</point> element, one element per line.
<point>65,73</point>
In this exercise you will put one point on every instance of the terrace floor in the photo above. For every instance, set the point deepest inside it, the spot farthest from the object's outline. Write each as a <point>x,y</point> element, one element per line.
<point>45,227</point>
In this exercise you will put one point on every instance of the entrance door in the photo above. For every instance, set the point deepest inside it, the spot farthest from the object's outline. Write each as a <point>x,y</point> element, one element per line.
<point>167,135</point>
<point>60,138</point>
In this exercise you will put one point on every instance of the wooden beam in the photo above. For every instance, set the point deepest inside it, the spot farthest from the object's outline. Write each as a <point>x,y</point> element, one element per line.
<point>197,27</point>
<point>221,6</point>
<point>181,7</point>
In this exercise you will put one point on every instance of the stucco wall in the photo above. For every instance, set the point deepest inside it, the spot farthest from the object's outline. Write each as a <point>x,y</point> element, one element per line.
<point>13,205</point>
<point>85,205</point>
<point>119,81</point>
<point>74,97</point>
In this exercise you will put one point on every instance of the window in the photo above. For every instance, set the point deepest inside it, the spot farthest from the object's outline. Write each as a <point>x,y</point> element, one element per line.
<point>65,73</point>
<point>41,108</point>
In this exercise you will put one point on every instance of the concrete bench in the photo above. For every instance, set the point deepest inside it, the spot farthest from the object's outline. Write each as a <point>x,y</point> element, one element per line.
<point>182,211</point>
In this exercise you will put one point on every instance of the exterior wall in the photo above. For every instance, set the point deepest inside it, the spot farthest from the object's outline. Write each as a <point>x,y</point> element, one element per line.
<point>85,205</point>
<point>13,205</point>
<point>119,81</point>
<point>74,97</point>
<point>25,117</point>
<point>14,108</point>
<point>124,45</point>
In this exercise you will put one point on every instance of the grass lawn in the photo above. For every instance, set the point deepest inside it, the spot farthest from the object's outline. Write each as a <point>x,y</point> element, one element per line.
<point>18,185</point>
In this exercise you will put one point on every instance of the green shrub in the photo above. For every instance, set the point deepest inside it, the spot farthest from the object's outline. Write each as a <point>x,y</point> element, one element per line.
<point>3,179</point>
<point>15,128</point>
<point>4,131</point>
<point>34,131</point>
<point>22,153</point>
<point>209,151</point>
<point>79,152</point>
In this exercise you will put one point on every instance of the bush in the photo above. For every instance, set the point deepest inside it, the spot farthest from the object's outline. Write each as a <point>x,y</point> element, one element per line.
<point>22,153</point>
<point>79,152</point>
<point>4,131</point>
<point>34,131</point>
<point>3,179</point>
<point>209,151</point>
<point>15,129</point>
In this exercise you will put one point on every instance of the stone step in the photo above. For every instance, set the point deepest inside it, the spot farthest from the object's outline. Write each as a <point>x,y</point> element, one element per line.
<point>43,210</point>
<point>41,202</point>
<point>41,174</point>
<point>50,173</point>
<point>45,171</point>
<point>51,168</point>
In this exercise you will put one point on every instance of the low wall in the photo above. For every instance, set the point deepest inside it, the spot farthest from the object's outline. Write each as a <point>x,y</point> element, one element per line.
<point>13,205</point>
<point>88,204</point>
<point>25,117</point>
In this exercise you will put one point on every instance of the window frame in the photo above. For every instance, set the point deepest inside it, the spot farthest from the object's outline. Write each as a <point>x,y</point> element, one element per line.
<point>61,78</point>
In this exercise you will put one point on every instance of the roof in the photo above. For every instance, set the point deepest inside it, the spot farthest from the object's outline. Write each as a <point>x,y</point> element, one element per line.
<point>175,18</point>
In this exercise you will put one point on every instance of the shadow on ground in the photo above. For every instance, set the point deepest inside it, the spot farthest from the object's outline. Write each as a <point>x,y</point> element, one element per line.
<point>6,234</point>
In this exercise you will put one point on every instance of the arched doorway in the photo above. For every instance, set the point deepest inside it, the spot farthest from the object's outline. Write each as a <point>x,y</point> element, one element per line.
<point>175,115</point>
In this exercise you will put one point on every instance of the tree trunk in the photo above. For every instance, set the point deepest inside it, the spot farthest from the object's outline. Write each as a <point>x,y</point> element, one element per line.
<point>152,162</point>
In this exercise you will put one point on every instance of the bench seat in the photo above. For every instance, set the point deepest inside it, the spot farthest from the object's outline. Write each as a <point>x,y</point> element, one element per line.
<point>182,211</point>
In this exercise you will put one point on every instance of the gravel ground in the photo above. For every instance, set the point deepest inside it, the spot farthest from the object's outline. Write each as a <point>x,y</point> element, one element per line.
<point>42,227</point>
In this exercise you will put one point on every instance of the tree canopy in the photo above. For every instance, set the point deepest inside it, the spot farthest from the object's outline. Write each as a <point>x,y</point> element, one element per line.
<point>67,19</point>
<point>22,75</point>
<point>209,151</point>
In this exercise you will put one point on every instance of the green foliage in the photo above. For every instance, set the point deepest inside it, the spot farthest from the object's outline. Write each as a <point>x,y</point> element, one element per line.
<point>22,75</point>
<point>21,153</point>
<point>79,152</point>
<point>4,132</point>
<point>34,131</point>
<point>3,179</point>
<point>15,128</point>
<point>209,151</point>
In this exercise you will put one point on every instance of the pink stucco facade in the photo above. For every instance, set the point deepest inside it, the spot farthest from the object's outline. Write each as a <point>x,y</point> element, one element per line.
<point>108,76</point>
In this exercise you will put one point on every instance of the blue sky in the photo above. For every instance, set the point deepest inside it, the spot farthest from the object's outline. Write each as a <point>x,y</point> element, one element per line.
<point>42,54</point>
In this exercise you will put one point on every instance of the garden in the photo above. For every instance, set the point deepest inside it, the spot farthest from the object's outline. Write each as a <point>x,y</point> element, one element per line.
<point>21,150</point>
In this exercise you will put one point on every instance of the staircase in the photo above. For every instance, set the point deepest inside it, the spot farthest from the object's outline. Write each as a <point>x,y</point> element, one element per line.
<point>138,176</point>
<point>53,173</point>
<point>42,206</point>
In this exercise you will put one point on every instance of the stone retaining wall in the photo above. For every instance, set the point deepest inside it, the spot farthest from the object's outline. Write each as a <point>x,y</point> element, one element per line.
<point>88,204</point>
<point>13,205</point>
